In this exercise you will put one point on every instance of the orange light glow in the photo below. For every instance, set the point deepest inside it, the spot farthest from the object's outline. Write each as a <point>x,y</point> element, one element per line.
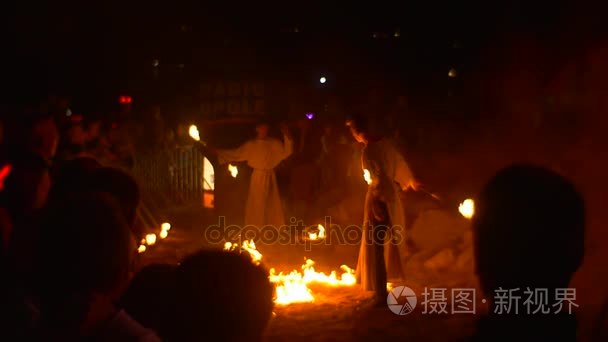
<point>467,208</point>
<point>234,171</point>
<point>141,249</point>
<point>367,176</point>
<point>293,286</point>
<point>150,239</point>
<point>318,235</point>
<point>193,132</point>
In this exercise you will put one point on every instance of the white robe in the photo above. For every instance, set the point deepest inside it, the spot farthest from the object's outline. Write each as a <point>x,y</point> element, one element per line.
<point>263,201</point>
<point>389,172</point>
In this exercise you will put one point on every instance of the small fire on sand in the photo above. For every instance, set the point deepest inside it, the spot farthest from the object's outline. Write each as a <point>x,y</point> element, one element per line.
<point>293,287</point>
<point>318,235</point>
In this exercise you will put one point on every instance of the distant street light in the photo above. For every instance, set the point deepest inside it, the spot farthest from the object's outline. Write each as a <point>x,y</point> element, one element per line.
<point>323,80</point>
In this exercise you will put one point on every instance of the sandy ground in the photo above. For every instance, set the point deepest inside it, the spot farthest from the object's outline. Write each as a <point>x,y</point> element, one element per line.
<point>338,313</point>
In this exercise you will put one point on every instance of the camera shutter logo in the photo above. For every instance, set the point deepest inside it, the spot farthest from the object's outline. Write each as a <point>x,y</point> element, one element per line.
<point>401,300</point>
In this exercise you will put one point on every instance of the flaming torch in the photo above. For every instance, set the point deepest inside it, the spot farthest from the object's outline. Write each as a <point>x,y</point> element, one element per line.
<point>367,176</point>
<point>193,132</point>
<point>234,171</point>
<point>467,208</point>
<point>151,239</point>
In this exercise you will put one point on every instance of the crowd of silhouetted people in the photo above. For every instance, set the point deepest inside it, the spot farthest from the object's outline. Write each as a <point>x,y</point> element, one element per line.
<point>69,264</point>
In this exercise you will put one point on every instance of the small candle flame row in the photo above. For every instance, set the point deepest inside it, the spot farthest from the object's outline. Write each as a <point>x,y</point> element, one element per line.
<point>150,239</point>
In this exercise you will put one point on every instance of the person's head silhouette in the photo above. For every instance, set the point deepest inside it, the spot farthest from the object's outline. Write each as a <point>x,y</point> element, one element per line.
<point>222,297</point>
<point>528,230</point>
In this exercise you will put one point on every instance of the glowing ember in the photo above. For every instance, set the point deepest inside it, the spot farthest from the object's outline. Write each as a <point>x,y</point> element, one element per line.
<point>293,287</point>
<point>193,132</point>
<point>163,234</point>
<point>151,239</point>
<point>141,249</point>
<point>234,171</point>
<point>319,234</point>
<point>367,176</point>
<point>467,208</point>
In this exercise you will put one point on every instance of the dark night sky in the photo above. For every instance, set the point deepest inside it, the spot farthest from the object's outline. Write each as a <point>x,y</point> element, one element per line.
<point>109,45</point>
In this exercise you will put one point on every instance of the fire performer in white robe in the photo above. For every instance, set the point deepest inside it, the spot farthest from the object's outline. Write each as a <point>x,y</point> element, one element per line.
<point>262,154</point>
<point>383,247</point>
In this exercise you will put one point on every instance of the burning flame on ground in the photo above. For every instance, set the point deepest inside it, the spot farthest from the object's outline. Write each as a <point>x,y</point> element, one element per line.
<point>319,235</point>
<point>164,230</point>
<point>293,287</point>
<point>467,208</point>
<point>234,171</point>
<point>367,176</point>
<point>151,239</point>
<point>193,132</point>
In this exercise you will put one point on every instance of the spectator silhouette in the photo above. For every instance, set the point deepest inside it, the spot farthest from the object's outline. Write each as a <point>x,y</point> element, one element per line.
<point>528,233</point>
<point>85,175</point>
<point>122,186</point>
<point>30,146</point>
<point>72,176</point>
<point>85,262</point>
<point>150,298</point>
<point>222,297</point>
<point>31,142</point>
